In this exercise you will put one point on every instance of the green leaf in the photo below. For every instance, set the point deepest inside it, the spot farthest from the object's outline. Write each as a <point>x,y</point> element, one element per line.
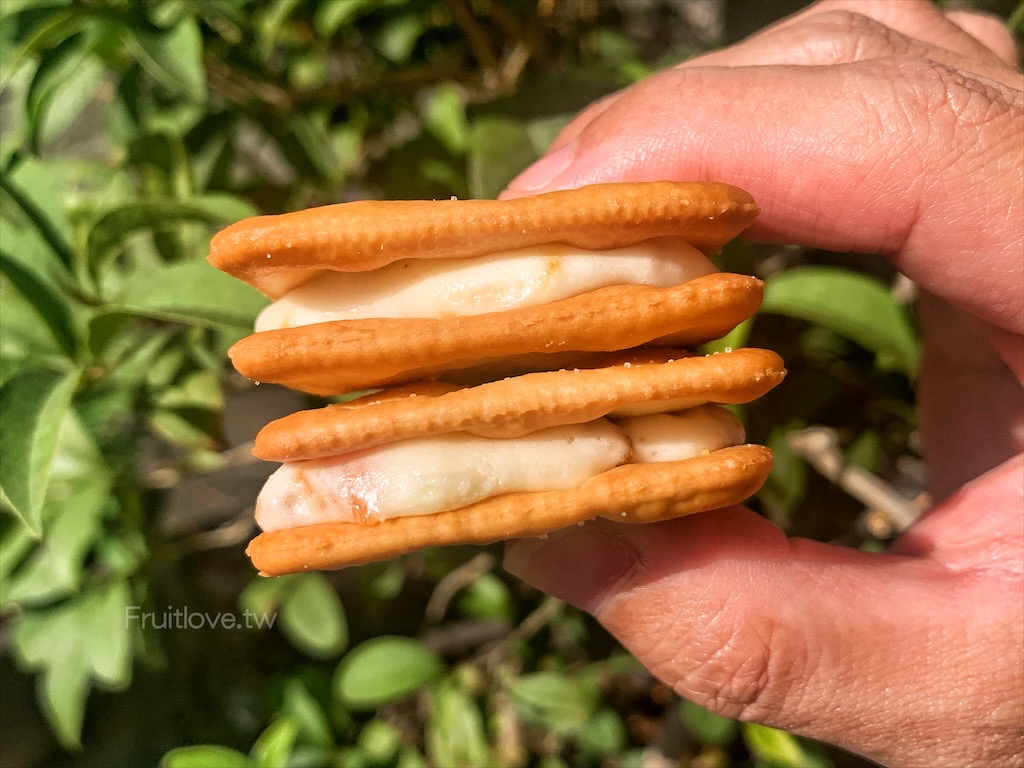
<point>51,304</point>
<point>113,227</point>
<point>604,734</point>
<point>78,494</point>
<point>706,726</point>
<point>734,339</point>
<point>455,733</point>
<point>81,640</point>
<point>312,616</point>
<point>787,482</point>
<point>380,742</point>
<point>270,23</point>
<point>60,93</point>
<point>853,305</point>
<point>52,30</point>
<point>174,60</point>
<point>205,756</point>
<point>398,37</point>
<point>189,292</point>
<point>486,597</point>
<point>33,190</point>
<point>275,744</point>
<point>331,15</point>
<point>385,669</point>
<point>866,450</point>
<point>32,407</point>
<point>779,749</point>
<point>499,148</point>
<point>444,115</point>
<point>300,706</point>
<point>554,700</point>
<point>199,389</point>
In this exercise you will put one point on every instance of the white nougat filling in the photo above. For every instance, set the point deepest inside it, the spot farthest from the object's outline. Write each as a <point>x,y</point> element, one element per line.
<point>460,287</point>
<point>423,476</point>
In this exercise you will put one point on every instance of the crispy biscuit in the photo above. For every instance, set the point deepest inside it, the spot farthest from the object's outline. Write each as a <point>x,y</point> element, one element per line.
<point>634,493</point>
<point>346,355</point>
<point>278,253</point>
<point>516,407</point>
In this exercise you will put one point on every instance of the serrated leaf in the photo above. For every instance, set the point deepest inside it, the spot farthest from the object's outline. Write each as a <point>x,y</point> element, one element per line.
<point>275,744</point>
<point>853,305</point>
<point>32,407</point>
<point>499,148</point>
<point>78,642</point>
<point>385,669</point>
<point>189,292</point>
<point>205,756</point>
<point>312,616</point>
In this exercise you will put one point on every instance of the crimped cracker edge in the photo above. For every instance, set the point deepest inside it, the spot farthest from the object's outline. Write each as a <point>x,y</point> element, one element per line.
<point>518,406</point>
<point>634,493</point>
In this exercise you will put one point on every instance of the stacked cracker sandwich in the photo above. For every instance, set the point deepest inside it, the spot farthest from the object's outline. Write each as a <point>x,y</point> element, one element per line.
<point>527,359</point>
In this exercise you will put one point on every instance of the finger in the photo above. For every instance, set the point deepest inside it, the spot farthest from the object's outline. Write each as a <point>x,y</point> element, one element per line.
<point>843,36</point>
<point>884,655</point>
<point>918,19</point>
<point>901,157</point>
<point>990,32</point>
<point>970,402</point>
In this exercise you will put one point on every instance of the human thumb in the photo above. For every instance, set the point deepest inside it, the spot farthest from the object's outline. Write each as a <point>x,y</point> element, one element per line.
<point>880,654</point>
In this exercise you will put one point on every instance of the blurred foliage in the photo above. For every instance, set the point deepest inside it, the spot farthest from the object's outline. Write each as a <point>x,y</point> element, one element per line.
<point>130,132</point>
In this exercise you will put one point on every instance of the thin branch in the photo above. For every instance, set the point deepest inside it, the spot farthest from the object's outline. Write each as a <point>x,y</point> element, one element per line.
<point>450,585</point>
<point>818,445</point>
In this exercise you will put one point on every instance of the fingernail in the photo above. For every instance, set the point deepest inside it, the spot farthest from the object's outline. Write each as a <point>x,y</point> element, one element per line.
<point>580,565</point>
<point>545,170</point>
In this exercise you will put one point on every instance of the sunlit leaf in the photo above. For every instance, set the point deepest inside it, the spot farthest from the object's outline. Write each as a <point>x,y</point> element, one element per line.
<point>81,640</point>
<point>191,292</point>
<point>78,493</point>
<point>312,616</point>
<point>49,302</point>
<point>779,749</point>
<point>274,745</point>
<point>380,742</point>
<point>32,407</point>
<point>300,706</point>
<point>853,305</point>
<point>455,734</point>
<point>554,699</point>
<point>205,756</point>
<point>384,669</point>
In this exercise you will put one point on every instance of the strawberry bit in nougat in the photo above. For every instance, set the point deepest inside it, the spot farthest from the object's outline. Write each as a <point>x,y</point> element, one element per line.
<point>423,476</point>
<point>529,277</point>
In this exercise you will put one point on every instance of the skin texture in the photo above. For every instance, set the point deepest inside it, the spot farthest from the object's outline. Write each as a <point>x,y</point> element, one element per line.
<point>874,127</point>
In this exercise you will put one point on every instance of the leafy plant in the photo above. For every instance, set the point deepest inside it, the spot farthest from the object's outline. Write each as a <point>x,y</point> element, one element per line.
<point>131,132</point>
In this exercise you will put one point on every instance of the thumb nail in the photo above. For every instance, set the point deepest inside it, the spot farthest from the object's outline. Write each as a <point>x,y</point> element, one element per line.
<point>580,565</point>
<point>544,171</point>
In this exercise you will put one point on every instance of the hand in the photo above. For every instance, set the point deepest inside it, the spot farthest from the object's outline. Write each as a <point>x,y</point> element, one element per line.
<point>877,127</point>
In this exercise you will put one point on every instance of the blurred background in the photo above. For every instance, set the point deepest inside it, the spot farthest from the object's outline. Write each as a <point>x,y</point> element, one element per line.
<point>131,131</point>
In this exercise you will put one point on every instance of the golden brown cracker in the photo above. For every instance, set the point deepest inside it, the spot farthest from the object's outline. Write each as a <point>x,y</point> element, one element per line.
<point>519,406</point>
<point>640,492</point>
<point>346,355</point>
<point>278,253</point>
